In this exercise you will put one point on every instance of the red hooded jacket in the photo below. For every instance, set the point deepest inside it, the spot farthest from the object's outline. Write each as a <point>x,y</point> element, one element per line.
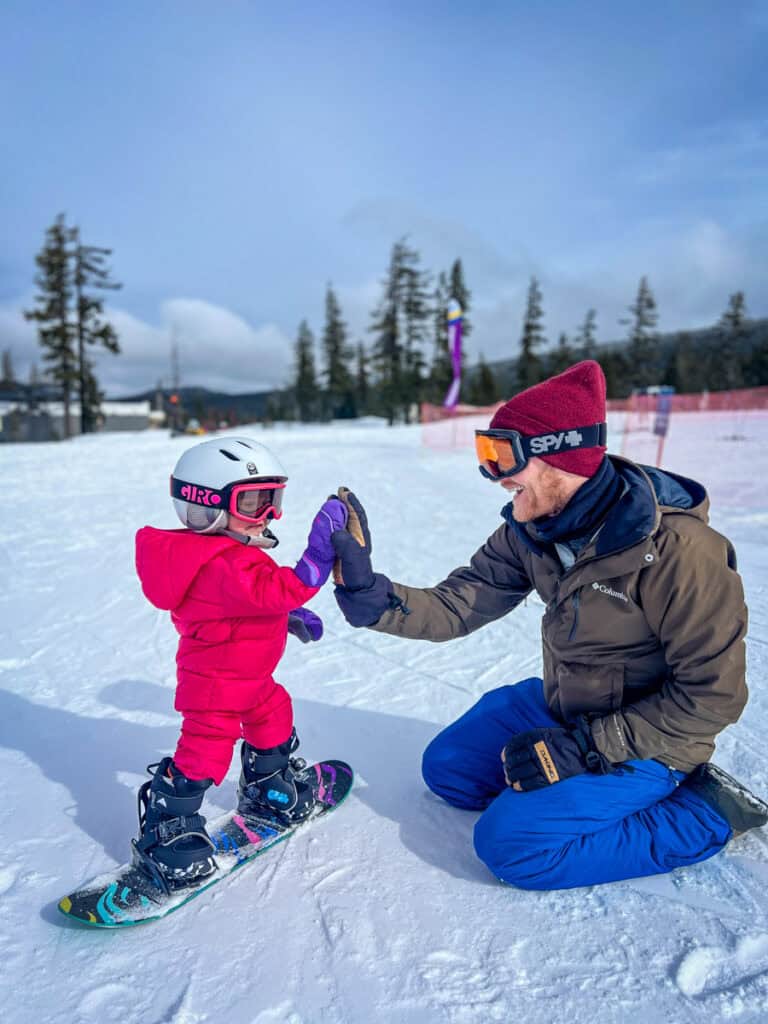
<point>229,603</point>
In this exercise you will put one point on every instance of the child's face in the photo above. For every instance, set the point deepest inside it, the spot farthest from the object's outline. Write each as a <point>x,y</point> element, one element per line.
<point>248,529</point>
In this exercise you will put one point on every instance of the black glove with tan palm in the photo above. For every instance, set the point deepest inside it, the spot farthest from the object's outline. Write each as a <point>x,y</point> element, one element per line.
<point>362,594</point>
<point>352,568</point>
<point>541,757</point>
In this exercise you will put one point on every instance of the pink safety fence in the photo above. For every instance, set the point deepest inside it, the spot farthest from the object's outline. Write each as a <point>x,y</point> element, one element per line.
<point>704,401</point>
<point>453,428</point>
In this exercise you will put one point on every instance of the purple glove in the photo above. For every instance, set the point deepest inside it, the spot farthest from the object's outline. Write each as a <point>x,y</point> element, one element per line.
<point>314,566</point>
<point>305,624</point>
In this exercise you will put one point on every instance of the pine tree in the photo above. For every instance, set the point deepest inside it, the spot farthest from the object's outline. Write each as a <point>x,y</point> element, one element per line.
<point>91,272</point>
<point>441,371</point>
<point>687,372</point>
<point>387,348</point>
<point>56,331</point>
<point>387,357</point>
<point>8,376</point>
<point>614,366</point>
<point>643,349</point>
<point>91,395</point>
<point>482,388</point>
<point>563,356</point>
<point>586,343</point>
<point>362,383</point>
<point>731,334</point>
<point>337,355</point>
<point>416,313</point>
<point>305,389</point>
<point>756,364</point>
<point>273,409</point>
<point>528,363</point>
<point>71,316</point>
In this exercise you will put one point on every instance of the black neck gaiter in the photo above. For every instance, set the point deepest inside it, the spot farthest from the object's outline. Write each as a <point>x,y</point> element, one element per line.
<point>584,512</point>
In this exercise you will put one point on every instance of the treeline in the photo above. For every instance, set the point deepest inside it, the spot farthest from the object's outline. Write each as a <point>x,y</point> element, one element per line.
<point>404,358</point>
<point>407,361</point>
<point>731,353</point>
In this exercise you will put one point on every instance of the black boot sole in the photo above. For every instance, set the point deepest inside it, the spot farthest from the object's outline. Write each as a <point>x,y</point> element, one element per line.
<point>729,797</point>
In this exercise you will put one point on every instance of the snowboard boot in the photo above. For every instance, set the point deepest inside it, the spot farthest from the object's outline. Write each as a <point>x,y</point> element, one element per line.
<point>173,847</point>
<point>271,785</point>
<point>730,798</point>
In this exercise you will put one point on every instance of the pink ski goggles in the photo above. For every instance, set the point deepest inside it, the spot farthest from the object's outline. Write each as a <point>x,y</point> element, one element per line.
<point>253,502</point>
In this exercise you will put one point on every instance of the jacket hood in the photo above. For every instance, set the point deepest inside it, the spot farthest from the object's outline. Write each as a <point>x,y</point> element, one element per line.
<point>167,562</point>
<point>637,513</point>
<point>679,492</point>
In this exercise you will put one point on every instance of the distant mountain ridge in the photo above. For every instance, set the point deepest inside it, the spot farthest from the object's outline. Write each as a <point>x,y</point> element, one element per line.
<point>755,332</point>
<point>199,402</point>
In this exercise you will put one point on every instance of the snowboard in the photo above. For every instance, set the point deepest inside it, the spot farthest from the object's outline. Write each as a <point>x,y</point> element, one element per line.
<point>130,897</point>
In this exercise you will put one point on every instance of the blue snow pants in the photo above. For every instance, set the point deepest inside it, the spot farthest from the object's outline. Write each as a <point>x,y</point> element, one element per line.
<point>584,830</point>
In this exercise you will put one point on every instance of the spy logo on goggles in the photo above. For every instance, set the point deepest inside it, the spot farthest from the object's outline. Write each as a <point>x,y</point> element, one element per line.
<point>544,442</point>
<point>251,501</point>
<point>503,453</point>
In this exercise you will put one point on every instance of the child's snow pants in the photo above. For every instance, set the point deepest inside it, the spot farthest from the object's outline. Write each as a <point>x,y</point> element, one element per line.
<point>582,831</point>
<point>204,750</point>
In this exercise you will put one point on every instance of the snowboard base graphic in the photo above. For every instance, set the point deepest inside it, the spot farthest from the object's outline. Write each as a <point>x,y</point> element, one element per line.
<point>130,897</point>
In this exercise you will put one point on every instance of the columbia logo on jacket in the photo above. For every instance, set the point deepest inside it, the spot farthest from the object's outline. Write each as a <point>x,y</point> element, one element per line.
<point>611,593</point>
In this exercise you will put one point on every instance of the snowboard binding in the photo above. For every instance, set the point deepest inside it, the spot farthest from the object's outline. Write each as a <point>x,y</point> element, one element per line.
<point>271,784</point>
<point>173,848</point>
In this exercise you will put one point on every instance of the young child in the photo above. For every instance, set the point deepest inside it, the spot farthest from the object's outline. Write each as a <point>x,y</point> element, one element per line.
<point>233,607</point>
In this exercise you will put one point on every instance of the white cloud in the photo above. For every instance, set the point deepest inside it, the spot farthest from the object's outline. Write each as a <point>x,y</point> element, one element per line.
<point>20,337</point>
<point>732,154</point>
<point>692,269</point>
<point>712,253</point>
<point>440,240</point>
<point>217,349</point>
<point>218,345</point>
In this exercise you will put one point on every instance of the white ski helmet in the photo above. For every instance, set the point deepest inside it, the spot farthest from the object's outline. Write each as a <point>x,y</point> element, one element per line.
<point>204,476</point>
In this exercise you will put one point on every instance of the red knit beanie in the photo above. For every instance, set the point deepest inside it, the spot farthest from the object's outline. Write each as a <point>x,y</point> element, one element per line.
<point>574,398</point>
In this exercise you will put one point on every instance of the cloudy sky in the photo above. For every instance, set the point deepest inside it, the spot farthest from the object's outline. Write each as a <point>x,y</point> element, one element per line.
<point>239,156</point>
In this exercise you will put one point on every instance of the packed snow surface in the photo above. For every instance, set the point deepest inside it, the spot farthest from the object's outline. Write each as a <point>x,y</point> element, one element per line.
<point>380,912</point>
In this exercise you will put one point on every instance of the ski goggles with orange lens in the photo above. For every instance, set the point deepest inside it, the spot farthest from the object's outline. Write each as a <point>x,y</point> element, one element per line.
<point>253,502</point>
<point>503,453</point>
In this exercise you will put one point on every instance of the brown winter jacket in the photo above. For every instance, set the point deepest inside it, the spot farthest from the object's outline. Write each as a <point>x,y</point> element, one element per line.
<point>644,633</point>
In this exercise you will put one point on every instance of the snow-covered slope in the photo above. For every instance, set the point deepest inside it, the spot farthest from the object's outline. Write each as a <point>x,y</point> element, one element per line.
<point>380,913</point>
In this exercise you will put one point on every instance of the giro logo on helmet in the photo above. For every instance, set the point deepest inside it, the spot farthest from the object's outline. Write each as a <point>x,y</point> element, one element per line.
<point>200,495</point>
<point>571,439</point>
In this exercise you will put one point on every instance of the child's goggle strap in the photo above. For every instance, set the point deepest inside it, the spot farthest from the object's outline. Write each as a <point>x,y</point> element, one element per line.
<point>252,501</point>
<point>503,453</point>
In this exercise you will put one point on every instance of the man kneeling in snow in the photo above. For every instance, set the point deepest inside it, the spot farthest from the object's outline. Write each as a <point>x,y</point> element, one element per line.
<point>598,771</point>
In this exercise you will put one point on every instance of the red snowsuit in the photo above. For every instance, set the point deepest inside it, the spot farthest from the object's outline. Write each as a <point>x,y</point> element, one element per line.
<point>229,603</point>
